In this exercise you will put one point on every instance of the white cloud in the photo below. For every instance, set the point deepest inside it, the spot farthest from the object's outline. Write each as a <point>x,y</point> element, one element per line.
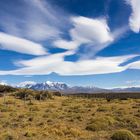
<point>44,60</point>
<point>134,65</point>
<point>40,31</point>
<point>42,65</point>
<point>66,44</point>
<point>33,19</point>
<point>42,23</point>
<point>87,31</point>
<point>12,43</point>
<point>134,20</point>
<point>90,30</point>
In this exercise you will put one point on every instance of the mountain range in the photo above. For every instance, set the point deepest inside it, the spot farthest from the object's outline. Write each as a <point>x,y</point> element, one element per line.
<point>63,87</point>
<point>48,85</point>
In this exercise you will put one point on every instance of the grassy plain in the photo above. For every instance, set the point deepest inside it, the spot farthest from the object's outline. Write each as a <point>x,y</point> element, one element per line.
<point>68,118</point>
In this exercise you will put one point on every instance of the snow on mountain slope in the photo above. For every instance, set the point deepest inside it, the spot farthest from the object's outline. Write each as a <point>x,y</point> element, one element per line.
<point>26,84</point>
<point>48,85</point>
<point>60,86</point>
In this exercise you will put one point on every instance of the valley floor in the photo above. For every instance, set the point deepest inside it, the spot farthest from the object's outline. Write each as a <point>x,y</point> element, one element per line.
<point>67,118</point>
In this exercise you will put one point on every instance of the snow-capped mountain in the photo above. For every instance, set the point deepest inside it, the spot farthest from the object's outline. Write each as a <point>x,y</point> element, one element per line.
<point>48,85</point>
<point>3,83</point>
<point>26,84</point>
<point>60,86</point>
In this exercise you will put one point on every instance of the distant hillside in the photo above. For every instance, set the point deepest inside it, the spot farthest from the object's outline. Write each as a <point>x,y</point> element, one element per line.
<point>80,89</point>
<point>129,89</point>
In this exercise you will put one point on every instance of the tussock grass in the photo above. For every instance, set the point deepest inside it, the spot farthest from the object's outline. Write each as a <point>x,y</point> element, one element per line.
<point>68,118</point>
<point>123,135</point>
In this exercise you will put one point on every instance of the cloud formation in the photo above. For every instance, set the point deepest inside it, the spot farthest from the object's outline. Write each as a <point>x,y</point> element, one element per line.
<point>134,65</point>
<point>36,20</point>
<point>87,31</point>
<point>55,63</point>
<point>134,20</point>
<point>12,43</point>
<point>41,24</point>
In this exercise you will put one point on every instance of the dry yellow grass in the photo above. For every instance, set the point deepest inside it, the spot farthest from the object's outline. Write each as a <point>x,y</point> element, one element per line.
<point>67,118</point>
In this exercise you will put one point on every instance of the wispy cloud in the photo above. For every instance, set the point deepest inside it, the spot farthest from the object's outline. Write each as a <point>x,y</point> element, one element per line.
<point>36,20</point>
<point>134,65</point>
<point>12,43</point>
<point>87,31</point>
<point>132,82</point>
<point>93,33</point>
<point>56,63</point>
<point>134,20</point>
<point>43,23</point>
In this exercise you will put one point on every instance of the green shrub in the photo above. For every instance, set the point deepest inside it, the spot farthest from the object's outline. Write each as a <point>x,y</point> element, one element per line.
<point>123,135</point>
<point>98,124</point>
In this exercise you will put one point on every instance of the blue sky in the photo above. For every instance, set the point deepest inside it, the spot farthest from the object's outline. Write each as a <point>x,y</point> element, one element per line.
<point>92,42</point>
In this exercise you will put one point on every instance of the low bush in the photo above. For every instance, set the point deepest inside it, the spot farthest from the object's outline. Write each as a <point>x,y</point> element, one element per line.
<point>28,94</point>
<point>24,93</point>
<point>57,93</point>
<point>123,135</point>
<point>98,124</point>
<point>42,95</point>
<point>128,122</point>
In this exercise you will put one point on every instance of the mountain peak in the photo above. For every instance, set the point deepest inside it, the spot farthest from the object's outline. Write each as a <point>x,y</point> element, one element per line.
<point>48,85</point>
<point>26,84</point>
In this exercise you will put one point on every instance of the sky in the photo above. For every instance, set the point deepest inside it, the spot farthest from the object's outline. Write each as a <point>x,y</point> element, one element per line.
<point>88,43</point>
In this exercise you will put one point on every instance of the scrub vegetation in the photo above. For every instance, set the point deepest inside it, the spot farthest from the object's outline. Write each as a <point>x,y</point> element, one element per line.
<point>25,115</point>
